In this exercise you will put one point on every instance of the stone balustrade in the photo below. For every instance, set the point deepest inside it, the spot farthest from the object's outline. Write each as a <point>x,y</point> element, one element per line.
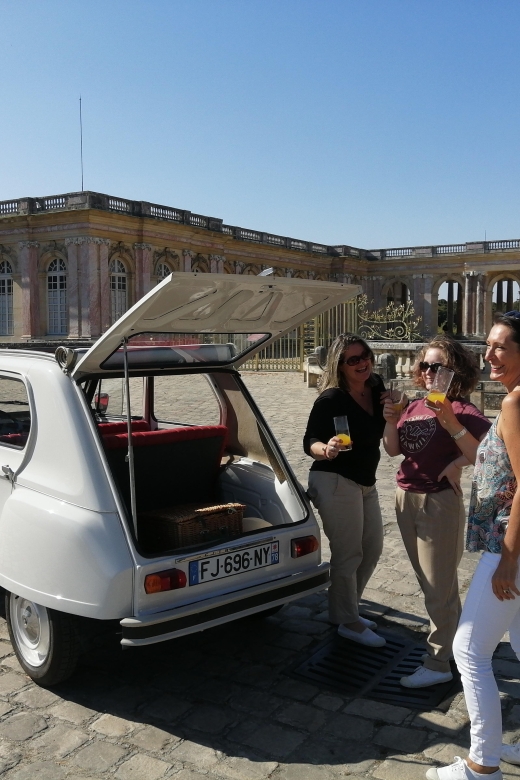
<point>403,355</point>
<point>97,200</point>
<point>420,252</point>
<point>138,208</point>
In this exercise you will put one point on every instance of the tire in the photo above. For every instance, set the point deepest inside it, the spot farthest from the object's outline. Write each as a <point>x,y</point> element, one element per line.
<point>46,642</point>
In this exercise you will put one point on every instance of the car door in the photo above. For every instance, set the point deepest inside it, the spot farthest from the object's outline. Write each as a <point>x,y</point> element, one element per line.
<point>16,422</point>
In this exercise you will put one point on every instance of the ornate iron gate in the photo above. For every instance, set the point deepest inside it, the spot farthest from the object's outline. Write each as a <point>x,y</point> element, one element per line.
<point>289,352</point>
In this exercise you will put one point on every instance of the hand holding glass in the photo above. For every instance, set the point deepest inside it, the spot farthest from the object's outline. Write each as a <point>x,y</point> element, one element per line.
<point>396,394</point>
<point>343,432</point>
<point>440,387</point>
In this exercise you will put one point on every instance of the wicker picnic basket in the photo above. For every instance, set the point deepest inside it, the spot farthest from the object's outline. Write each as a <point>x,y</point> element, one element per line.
<point>189,524</point>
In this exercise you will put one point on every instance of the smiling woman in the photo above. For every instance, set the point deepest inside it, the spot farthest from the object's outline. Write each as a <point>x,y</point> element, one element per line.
<point>437,441</point>
<point>342,479</point>
<point>492,605</point>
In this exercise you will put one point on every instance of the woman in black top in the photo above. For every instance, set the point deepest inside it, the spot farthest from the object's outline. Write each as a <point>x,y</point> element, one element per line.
<point>342,483</point>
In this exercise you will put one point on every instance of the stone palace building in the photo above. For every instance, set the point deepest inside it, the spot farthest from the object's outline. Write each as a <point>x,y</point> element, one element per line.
<point>71,264</point>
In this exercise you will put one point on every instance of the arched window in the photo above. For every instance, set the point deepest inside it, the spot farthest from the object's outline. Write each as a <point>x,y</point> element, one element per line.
<point>163,271</point>
<point>118,289</point>
<point>6,299</point>
<point>398,293</point>
<point>57,297</point>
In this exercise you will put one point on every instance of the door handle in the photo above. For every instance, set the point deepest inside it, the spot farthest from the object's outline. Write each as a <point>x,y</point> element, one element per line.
<point>9,473</point>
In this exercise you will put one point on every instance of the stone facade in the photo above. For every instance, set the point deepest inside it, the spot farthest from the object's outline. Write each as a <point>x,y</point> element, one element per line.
<point>72,264</point>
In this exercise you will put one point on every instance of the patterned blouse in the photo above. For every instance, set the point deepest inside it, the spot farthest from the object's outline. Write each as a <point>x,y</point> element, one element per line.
<point>493,489</point>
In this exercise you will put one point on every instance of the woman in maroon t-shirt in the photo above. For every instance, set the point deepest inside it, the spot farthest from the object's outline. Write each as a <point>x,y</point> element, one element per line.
<point>430,512</point>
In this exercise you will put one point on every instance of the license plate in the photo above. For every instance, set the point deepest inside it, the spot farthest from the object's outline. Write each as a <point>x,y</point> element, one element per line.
<point>208,569</point>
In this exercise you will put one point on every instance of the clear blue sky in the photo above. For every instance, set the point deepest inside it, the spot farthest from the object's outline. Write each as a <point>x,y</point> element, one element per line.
<point>375,123</point>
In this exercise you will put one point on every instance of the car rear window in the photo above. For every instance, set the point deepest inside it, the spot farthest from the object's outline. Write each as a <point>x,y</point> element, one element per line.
<point>185,400</point>
<point>149,351</point>
<point>15,414</point>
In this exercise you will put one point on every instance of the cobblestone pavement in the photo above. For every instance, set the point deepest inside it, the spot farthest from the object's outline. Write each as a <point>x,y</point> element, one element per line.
<point>220,705</point>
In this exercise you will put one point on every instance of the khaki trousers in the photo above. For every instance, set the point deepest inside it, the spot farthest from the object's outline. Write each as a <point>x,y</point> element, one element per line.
<point>352,522</point>
<point>432,527</point>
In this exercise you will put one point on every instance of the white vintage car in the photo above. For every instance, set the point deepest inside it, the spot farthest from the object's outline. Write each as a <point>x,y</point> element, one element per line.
<point>102,451</point>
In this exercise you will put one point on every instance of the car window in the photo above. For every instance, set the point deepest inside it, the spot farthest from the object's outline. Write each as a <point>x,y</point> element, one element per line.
<point>110,398</point>
<point>15,414</point>
<point>185,400</point>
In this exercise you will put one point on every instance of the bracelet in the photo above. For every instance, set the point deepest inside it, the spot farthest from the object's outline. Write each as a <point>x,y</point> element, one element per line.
<point>324,450</point>
<point>460,434</point>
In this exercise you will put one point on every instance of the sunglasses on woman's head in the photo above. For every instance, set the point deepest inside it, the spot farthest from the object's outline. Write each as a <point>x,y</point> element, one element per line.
<point>355,359</point>
<point>434,367</point>
<point>515,315</point>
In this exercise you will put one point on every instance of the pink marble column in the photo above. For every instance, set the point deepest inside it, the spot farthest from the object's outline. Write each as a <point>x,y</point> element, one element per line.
<point>72,245</point>
<point>365,286</point>
<point>90,293</point>
<point>378,280</point>
<point>143,269</point>
<point>429,327</point>
<point>187,255</point>
<point>469,304</point>
<point>417,295</point>
<point>104,284</point>
<point>28,264</point>
<point>481,306</point>
<point>84,287</point>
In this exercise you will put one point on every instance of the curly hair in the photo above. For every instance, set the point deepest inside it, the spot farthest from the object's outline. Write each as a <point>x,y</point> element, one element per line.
<point>458,359</point>
<point>332,375</point>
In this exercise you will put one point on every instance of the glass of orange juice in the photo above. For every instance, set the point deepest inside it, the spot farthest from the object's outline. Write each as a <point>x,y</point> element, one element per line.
<point>396,393</point>
<point>440,387</point>
<point>343,432</point>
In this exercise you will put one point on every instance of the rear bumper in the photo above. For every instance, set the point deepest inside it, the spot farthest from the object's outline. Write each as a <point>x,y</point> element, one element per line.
<point>213,612</point>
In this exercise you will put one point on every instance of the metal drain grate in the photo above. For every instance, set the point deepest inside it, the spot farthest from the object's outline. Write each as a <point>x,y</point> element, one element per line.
<point>374,672</point>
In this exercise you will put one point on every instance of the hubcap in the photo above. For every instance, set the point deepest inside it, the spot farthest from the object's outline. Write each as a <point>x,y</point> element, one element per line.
<point>30,625</point>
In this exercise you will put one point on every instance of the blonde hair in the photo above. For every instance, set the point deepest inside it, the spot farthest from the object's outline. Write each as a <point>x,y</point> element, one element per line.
<point>332,375</point>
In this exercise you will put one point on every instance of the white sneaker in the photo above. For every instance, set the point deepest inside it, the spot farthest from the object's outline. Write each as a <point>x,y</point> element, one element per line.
<point>423,678</point>
<point>459,771</point>
<point>511,754</point>
<point>368,623</point>
<point>367,637</point>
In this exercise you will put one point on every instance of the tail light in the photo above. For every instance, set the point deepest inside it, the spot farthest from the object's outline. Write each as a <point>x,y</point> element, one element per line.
<point>171,579</point>
<point>304,546</point>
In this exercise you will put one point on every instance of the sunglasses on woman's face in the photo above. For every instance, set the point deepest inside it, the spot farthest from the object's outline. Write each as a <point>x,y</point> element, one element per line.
<point>355,359</point>
<point>434,367</point>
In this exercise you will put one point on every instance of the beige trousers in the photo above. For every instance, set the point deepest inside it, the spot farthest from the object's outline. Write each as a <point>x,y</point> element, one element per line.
<point>432,527</point>
<point>352,522</point>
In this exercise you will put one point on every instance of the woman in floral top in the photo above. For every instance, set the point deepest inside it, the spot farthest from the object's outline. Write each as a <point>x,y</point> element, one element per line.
<point>492,605</point>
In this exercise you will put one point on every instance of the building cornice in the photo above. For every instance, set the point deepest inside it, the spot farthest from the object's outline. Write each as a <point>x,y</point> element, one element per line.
<point>85,213</point>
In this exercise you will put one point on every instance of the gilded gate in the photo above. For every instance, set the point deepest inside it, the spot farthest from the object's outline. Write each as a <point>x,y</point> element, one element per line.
<point>289,352</point>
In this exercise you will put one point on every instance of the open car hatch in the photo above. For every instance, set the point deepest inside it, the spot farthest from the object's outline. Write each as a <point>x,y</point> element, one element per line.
<point>216,319</point>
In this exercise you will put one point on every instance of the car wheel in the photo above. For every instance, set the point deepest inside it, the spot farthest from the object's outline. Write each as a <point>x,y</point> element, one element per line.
<point>46,642</point>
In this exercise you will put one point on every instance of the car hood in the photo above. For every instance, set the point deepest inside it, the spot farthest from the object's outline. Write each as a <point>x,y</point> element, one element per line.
<point>203,303</point>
